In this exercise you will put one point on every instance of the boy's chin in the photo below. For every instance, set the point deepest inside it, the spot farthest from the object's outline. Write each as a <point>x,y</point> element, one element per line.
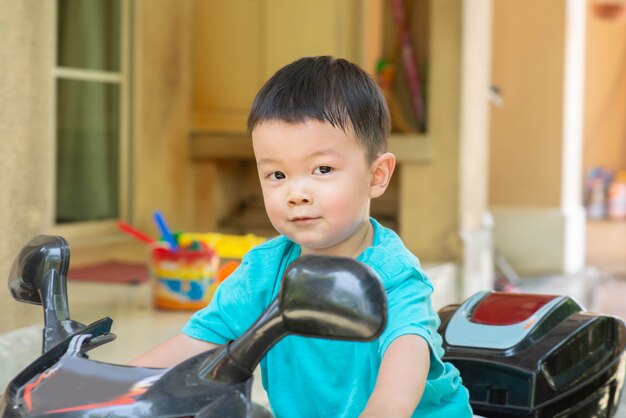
<point>308,244</point>
<point>316,242</point>
<point>321,248</point>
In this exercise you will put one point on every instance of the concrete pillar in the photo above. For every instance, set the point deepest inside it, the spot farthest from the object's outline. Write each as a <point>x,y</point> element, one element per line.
<point>536,134</point>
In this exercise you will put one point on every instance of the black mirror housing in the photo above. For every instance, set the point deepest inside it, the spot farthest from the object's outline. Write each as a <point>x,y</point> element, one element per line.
<point>333,297</point>
<point>42,256</point>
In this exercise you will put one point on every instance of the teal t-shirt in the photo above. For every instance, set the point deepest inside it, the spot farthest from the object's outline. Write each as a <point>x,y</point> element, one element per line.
<point>312,377</point>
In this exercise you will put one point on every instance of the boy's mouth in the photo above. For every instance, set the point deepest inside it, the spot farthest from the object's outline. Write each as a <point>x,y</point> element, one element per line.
<point>303,219</point>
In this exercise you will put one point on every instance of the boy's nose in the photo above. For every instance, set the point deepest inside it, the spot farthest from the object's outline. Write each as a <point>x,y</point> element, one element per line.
<point>299,198</point>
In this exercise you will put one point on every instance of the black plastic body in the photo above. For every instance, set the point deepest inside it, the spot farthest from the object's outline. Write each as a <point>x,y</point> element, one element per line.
<point>83,388</point>
<point>571,364</point>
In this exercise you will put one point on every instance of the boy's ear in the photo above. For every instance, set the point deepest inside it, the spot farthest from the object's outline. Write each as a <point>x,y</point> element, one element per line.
<point>381,170</point>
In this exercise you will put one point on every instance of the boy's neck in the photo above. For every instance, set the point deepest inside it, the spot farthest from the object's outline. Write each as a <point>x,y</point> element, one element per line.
<point>351,247</point>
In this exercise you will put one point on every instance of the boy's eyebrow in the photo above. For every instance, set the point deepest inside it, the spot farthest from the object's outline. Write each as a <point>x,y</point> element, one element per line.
<point>323,152</point>
<point>265,161</point>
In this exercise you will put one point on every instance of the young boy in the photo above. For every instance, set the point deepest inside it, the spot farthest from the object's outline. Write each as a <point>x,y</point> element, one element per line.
<point>319,130</point>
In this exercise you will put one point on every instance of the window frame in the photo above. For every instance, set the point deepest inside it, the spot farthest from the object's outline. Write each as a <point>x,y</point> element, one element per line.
<point>99,230</point>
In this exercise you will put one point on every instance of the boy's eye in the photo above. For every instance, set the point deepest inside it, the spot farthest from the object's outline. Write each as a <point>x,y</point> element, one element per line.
<point>277,175</point>
<point>323,169</point>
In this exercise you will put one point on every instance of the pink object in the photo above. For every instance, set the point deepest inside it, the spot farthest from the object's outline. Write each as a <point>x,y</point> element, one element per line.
<point>408,59</point>
<point>617,197</point>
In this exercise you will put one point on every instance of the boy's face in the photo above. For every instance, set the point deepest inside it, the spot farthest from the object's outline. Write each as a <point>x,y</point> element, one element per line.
<point>316,185</point>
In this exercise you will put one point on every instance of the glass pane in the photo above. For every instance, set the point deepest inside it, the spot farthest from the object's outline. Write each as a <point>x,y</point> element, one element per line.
<point>88,143</point>
<point>89,34</point>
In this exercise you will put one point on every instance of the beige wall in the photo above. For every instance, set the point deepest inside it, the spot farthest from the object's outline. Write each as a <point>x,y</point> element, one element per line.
<point>26,59</point>
<point>536,134</point>
<point>162,96</point>
<point>526,132</point>
<point>605,95</point>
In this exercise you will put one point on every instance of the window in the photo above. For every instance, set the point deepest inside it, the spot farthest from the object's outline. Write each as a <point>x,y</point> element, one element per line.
<point>92,112</point>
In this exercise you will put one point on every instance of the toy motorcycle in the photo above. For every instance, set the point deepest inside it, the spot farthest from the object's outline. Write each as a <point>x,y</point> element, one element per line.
<point>63,382</point>
<point>529,355</point>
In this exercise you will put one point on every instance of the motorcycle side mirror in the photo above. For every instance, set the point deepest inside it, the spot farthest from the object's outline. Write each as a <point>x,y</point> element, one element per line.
<point>39,276</point>
<point>41,257</point>
<point>332,297</point>
<point>320,296</point>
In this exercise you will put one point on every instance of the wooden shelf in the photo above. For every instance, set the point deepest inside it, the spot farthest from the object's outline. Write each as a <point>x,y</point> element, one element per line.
<point>237,145</point>
<point>220,145</point>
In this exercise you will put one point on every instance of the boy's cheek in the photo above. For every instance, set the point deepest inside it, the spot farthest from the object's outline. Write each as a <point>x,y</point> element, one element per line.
<point>270,197</point>
<point>273,210</point>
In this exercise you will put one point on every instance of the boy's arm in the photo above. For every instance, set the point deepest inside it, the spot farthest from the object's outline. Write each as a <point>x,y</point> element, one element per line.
<point>173,351</point>
<point>401,378</point>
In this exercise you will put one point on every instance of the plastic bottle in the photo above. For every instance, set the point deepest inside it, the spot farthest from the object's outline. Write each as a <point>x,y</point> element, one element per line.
<point>596,185</point>
<point>596,206</point>
<point>617,197</point>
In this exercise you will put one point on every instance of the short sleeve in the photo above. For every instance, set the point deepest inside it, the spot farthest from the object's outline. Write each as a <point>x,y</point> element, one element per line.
<point>241,298</point>
<point>410,310</point>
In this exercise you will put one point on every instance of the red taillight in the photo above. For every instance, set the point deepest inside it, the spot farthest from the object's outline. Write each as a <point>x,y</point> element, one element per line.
<point>508,308</point>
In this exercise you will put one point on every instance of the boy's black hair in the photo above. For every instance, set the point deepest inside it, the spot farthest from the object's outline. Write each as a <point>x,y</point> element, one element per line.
<point>330,90</point>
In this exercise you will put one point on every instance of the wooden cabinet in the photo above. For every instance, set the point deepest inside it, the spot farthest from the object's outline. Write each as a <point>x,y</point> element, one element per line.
<point>239,44</point>
<point>227,62</point>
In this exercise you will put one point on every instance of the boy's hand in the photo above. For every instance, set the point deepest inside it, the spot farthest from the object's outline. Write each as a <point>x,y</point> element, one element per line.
<point>401,379</point>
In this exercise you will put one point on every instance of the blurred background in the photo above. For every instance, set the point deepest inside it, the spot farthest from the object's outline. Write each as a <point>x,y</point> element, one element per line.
<point>509,129</point>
